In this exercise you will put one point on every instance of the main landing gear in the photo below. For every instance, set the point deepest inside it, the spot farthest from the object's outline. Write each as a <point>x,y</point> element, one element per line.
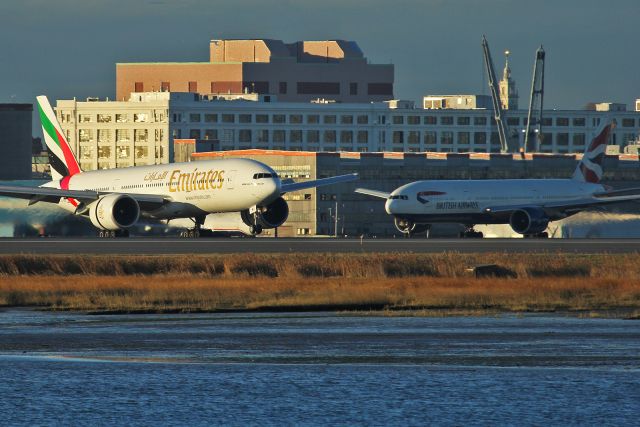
<point>255,229</point>
<point>196,231</point>
<point>470,233</point>
<point>411,229</point>
<point>112,234</point>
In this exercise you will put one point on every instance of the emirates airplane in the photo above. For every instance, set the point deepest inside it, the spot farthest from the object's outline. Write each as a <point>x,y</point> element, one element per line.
<point>114,200</point>
<point>528,205</point>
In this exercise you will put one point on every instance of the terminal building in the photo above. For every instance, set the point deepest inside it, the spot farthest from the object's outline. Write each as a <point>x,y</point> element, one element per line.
<point>294,72</point>
<point>143,129</point>
<point>15,141</point>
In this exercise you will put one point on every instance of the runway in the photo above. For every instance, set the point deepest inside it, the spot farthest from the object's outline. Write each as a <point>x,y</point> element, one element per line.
<point>167,246</point>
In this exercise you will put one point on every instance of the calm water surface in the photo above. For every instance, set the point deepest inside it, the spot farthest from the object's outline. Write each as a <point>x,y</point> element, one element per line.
<point>310,368</point>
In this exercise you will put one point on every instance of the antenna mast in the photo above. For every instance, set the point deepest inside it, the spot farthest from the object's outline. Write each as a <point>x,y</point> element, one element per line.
<point>534,124</point>
<point>495,96</point>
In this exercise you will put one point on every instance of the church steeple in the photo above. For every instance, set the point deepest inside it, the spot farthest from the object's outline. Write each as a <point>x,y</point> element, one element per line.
<point>508,91</point>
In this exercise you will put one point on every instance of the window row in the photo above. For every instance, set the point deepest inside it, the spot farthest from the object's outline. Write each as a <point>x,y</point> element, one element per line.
<point>86,152</point>
<point>477,138</point>
<point>121,135</point>
<point>344,119</point>
<point>510,121</point>
<point>266,135</point>
<point>157,116</point>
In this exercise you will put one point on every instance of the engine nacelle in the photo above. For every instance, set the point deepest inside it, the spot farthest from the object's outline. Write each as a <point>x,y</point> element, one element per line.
<point>114,212</point>
<point>408,227</point>
<point>271,216</point>
<point>529,221</point>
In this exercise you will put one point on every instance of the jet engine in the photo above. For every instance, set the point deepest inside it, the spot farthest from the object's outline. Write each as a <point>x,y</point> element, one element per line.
<point>271,216</point>
<point>407,227</point>
<point>114,212</point>
<point>529,221</point>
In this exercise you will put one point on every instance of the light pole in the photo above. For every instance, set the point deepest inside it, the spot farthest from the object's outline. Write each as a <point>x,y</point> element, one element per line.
<point>335,224</point>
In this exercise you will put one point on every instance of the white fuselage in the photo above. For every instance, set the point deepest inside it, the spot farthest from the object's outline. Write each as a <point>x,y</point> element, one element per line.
<point>469,201</point>
<point>195,188</point>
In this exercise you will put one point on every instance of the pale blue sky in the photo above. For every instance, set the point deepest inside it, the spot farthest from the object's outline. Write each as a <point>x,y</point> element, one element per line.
<point>68,48</point>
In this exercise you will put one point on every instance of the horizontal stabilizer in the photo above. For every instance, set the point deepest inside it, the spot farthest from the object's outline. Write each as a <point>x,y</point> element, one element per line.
<point>374,193</point>
<point>619,193</point>
<point>287,187</point>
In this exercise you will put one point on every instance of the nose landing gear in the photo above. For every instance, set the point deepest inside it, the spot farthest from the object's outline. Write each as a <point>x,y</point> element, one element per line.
<point>409,228</point>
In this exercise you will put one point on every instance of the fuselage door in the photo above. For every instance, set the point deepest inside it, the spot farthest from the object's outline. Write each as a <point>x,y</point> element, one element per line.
<point>231,179</point>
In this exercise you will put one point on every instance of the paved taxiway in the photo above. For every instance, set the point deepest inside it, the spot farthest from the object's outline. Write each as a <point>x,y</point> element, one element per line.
<point>159,246</point>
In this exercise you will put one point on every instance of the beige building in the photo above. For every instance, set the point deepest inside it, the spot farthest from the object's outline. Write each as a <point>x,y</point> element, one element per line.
<point>108,134</point>
<point>294,72</point>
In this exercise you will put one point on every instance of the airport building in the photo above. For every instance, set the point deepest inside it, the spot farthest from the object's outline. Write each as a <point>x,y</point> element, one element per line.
<point>338,210</point>
<point>143,129</point>
<point>15,141</point>
<point>294,72</point>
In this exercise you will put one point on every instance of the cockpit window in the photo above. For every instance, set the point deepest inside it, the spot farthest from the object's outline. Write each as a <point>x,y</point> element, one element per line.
<point>264,175</point>
<point>398,197</point>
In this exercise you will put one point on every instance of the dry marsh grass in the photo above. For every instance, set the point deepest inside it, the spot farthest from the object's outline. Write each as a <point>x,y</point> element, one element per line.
<point>391,282</point>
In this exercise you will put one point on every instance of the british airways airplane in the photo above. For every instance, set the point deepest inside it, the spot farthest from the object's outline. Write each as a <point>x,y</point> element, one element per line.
<point>114,200</point>
<point>527,205</point>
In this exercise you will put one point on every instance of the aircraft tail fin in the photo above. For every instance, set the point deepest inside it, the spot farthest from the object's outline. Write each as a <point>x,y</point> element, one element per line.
<point>589,169</point>
<point>61,158</point>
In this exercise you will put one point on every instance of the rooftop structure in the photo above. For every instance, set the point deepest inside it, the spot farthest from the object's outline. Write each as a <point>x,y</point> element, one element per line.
<point>296,72</point>
<point>458,102</point>
<point>508,91</point>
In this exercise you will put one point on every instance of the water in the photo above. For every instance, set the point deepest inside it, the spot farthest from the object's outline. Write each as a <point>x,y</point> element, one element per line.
<point>310,368</point>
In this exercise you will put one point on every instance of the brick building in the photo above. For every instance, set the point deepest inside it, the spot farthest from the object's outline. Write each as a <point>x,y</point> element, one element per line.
<point>293,72</point>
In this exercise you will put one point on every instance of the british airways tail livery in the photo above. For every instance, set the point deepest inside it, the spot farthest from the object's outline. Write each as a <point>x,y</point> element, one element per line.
<point>114,200</point>
<point>528,205</point>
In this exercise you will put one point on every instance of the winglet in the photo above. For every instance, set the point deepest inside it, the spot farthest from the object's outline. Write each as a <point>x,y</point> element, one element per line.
<point>287,187</point>
<point>374,193</point>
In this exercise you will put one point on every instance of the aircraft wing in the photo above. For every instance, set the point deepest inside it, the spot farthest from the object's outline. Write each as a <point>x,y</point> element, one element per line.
<point>574,205</point>
<point>46,194</point>
<point>374,193</point>
<point>53,195</point>
<point>287,187</point>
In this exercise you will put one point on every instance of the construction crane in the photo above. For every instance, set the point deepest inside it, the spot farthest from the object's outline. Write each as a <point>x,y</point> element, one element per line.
<point>495,96</point>
<point>534,124</point>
